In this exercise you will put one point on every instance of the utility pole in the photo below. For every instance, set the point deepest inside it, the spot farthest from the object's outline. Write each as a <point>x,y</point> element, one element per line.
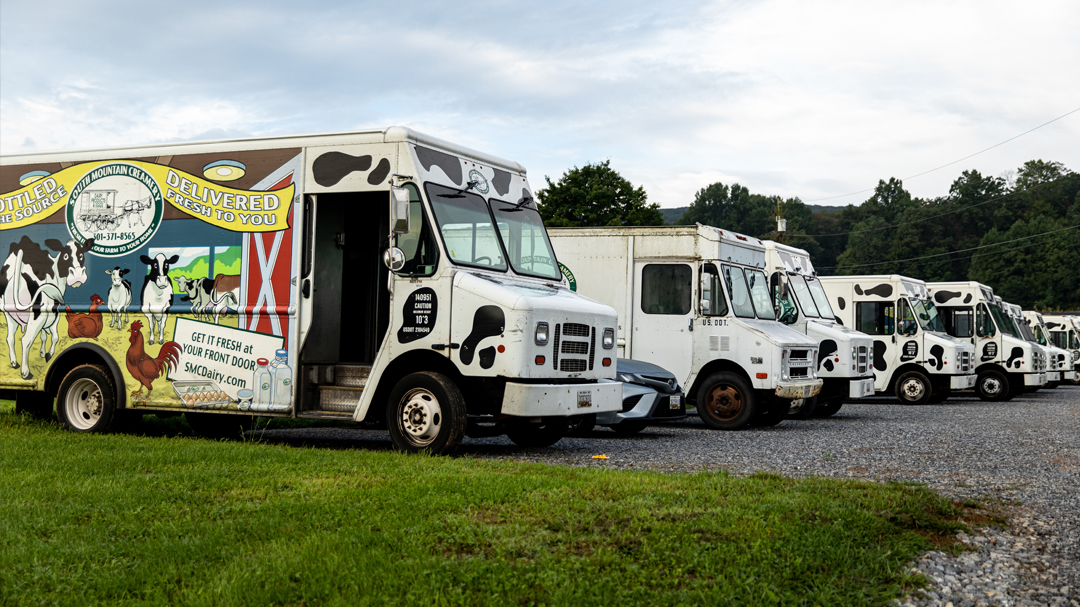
<point>781,223</point>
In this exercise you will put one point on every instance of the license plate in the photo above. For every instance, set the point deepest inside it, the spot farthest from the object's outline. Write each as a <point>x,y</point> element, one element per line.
<point>584,399</point>
<point>675,402</point>
<point>806,392</point>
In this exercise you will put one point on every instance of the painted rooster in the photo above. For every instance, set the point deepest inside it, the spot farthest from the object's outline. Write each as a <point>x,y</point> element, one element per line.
<point>88,325</point>
<point>144,368</point>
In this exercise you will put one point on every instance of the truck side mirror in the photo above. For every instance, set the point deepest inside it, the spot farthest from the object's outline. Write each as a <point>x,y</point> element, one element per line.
<point>394,259</point>
<point>399,210</point>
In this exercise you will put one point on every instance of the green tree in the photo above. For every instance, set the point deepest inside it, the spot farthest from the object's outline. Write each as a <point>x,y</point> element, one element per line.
<point>596,195</point>
<point>869,243</point>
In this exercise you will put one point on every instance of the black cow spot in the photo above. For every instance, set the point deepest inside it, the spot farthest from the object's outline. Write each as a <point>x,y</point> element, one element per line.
<point>989,351</point>
<point>967,298</point>
<point>936,352</point>
<point>449,164</point>
<point>1049,325</point>
<point>1016,354</point>
<point>838,321</point>
<point>332,167</point>
<point>825,350</point>
<point>379,174</point>
<point>501,182</point>
<point>909,351</point>
<point>944,296</point>
<point>487,357</point>
<point>488,321</point>
<point>858,290</point>
<point>841,302</point>
<point>882,290</point>
<point>879,355</point>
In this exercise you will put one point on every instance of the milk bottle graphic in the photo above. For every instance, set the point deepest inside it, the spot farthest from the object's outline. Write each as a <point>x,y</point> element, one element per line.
<point>264,387</point>
<point>282,384</point>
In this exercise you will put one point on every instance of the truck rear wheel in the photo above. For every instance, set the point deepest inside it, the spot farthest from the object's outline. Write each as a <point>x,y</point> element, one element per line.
<point>913,388</point>
<point>526,433</point>
<point>726,402</point>
<point>992,386</point>
<point>828,408</point>
<point>802,408</point>
<point>580,425</point>
<point>426,413</point>
<point>86,401</point>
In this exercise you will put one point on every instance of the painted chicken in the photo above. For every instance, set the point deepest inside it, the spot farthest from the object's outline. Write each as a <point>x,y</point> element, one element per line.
<point>142,366</point>
<point>89,325</point>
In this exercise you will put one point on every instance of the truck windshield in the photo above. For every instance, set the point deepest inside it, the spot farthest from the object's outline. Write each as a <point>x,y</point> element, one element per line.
<point>1025,329</point>
<point>927,315</point>
<point>1004,323</point>
<point>1074,343</point>
<point>526,241</point>
<point>749,290</point>
<point>1040,336</point>
<point>802,293</point>
<point>820,298</point>
<point>1060,340</point>
<point>466,228</point>
<point>759,293</point>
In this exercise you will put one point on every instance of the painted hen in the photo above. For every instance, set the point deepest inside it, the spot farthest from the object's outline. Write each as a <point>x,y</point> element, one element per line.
<point>87,325</point>
<point>142,366</point>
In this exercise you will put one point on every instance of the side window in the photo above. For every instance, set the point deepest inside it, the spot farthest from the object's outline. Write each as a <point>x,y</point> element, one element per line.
<point>666,289</point>
<point>1074,343</point>
<point>984,325</point>
<point>787,311</point>
<point>418,244</point>
<point>713,302</point>
<point>740,293</point>
<point>906,324</point>
<point>959,322</point>
<point>875,317</point>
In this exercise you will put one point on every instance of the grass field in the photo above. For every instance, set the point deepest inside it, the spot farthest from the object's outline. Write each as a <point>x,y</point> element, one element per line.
<point>130,519</point>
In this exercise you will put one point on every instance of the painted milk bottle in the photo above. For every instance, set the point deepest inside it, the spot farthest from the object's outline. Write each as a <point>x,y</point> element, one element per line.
<point>264,387</point>
<point>282,386</point>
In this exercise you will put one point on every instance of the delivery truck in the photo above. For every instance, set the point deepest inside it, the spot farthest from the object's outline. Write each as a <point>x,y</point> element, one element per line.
<point>1004,361</point>
<point>845,356</point>
<point>380,276</point>
<point>1042,353</point>
<point>1065,333</point>
<point>1059,366</point>
<point>913,357</point>
<point>695,300</point>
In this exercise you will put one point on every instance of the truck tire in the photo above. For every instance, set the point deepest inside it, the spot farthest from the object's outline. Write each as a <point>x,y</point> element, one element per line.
<point>726,402</point>
<point>802,408</point>
<point>426,413</point>
<point>37,404</point>
<point>828,408</point>
<point>86,401</point>
<point>629,427</point>
<point>218,426</point>
<point>776,412</point>
<point>580,425</point>
<point>913,388</point>
<point>546,433</point>
<point>992,386</point>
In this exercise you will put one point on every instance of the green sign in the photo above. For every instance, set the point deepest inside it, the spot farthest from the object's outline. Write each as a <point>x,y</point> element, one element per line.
<point>569,276</point>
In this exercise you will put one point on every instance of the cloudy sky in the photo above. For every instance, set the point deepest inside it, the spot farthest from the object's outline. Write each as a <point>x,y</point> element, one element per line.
<point>809,99</point>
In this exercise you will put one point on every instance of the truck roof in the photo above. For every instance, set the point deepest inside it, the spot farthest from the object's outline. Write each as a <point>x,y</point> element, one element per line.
<point>393,134</point>
<point>696,241</point>
<point>793,259</point>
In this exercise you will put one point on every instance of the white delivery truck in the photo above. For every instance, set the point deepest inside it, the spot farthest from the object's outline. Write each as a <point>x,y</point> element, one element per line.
<point>845,361</point>
<point>913,357</point>
<point>1004,361</point>
<point>695,300</point>
<point>376,276</point>
<point>1059,366</point>
<point>1042,353</point>
<point>1065,333</point>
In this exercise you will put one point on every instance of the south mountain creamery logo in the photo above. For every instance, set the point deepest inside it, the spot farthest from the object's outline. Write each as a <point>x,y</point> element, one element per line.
<point>118,205</point>
<point>481,181</point>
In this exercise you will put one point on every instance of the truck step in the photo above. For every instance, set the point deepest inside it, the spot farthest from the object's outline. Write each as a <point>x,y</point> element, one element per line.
<point>339,398</point>
<point>317,414</point>
<point>353,376</point>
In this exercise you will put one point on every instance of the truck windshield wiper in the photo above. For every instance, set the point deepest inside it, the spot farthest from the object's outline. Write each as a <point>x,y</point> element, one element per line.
<point>461,193</point>
<point>520,203</point>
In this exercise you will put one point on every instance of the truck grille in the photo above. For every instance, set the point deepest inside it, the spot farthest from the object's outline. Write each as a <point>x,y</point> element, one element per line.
<point>572,365</point>
<point>965,362</point>
<point>574,355</point>
<point>861,360</point>
<point>575,330</point>
<point>800,354</point>
<point>575,347</point>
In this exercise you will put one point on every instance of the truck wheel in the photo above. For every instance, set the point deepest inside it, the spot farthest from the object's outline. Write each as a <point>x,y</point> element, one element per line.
<point>86,401</point>
<point>580,425</point>
<point>546,433</point>
<point>828,408</point>
<point>940,396</point>
<point>629,427</point>
<point>426,413</point>
<point>219,425</point>
<point>802,408</point>
<point>913,388</point>
<point>37,404</point>
<point>726,402</point>
<point>992,386</point>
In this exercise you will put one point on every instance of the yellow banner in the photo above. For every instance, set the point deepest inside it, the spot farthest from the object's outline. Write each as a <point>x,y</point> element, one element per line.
<point>102,195</point>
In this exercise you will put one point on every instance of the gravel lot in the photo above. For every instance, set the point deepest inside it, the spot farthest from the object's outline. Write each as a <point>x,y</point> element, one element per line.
<point>1023,455</point>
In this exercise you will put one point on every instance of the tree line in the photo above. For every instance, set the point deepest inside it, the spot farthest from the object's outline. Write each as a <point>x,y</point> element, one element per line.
<point>1015,233</point>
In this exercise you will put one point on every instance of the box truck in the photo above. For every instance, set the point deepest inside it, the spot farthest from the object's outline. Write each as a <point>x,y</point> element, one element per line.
<point>1041,353</point>
<point>913,357</point>
<point>695,300</point>
<point>845,361</point>
<point>1065,333</point>
<point>379,276</point>
<point>1059,366</point>
<point>1004,361</point>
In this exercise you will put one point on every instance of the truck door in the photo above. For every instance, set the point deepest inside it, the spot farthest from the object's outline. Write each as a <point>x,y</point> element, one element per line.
<point>878,319</point>
<point>663,316</point>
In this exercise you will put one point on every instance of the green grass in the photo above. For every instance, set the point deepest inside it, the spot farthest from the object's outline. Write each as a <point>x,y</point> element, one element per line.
<point>129,519</point>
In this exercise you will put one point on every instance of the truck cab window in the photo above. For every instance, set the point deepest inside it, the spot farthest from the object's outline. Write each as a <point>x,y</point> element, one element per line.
<point>906,323</point>
<point>787,311</point>
<point>739,291</point>
<point>466,227</point>
<point>526,240</point>
<point>875,317</point>
<point>959,322</point>
<point>712,294</point>
<point>418,244</point>
<point>666,289</point>
<point>984,324</point>
<point>1074,343</point>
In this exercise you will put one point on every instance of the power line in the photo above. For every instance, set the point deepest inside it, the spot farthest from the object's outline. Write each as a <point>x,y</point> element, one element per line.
<point>881,263</point>
<point>955,161</point>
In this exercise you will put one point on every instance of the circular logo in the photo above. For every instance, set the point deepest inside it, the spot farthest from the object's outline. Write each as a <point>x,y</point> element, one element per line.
<point>118,205</point>
<point>481,181</point>
<point>569,276</point>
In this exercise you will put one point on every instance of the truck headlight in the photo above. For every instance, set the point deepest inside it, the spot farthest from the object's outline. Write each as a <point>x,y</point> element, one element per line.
<point>541,337</point>
<point>609,338</point>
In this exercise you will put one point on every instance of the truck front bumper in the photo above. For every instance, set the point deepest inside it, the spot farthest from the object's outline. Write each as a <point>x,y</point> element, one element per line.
<point>1052,376</point>
<point>1034,379</point>
<point>798,389</point>
<point>962,382</point>
<point>1068,375</point>
<point>859,388</point>
<point>558,400</point>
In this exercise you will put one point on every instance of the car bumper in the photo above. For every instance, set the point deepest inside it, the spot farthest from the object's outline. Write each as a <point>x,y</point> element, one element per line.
<point>962,382</point>
<point>1068,375</point>
<point>859,388</point>
<point>555,400</point>
<point>798,389</point>
<point>1034,379</point>
<point>651,406</point>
